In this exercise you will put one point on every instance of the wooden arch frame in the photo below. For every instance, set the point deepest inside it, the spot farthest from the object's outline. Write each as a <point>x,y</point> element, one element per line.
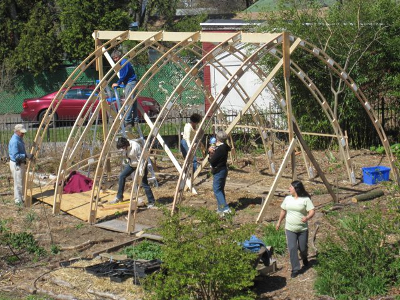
<point>227,40</point>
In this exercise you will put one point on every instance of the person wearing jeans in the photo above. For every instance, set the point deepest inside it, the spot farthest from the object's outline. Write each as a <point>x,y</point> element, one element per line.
<point>189,132</point>
<point>218,160</point>
<point>128,78</point>
<point>298,209</point>
<point>133,150</point>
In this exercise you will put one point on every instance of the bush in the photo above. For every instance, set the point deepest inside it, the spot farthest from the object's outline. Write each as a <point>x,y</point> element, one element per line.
<point>202,258</point>
<point>145,250</point>
<point>275,238</point>
<point>356,261</point>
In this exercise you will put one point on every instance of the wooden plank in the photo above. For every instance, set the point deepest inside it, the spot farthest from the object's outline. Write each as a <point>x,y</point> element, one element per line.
<point>277,177</point>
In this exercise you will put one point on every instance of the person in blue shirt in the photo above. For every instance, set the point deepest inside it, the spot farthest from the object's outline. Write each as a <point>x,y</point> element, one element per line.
<point>18,157</point>
<point>128,78</point>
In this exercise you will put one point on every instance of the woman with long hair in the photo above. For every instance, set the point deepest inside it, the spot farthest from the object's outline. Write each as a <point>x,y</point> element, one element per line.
<point>298,209</point>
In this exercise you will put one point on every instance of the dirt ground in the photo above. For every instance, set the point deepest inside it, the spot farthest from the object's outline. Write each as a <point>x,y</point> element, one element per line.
<point>247,185</point>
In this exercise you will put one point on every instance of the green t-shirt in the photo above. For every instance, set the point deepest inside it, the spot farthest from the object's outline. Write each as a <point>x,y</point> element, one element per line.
<point>296,209</point>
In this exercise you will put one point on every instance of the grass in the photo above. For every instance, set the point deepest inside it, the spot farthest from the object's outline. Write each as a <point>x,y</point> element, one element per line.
<point>275,238</point>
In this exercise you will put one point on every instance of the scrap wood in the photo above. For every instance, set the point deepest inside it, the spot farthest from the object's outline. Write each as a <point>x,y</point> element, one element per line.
<point>107,295</point>
<point>367,196</point>
<point>85,245</point>
<point>56,296</point>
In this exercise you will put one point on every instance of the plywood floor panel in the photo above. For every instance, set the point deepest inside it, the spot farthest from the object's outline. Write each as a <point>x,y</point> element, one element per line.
<point>78,204</point>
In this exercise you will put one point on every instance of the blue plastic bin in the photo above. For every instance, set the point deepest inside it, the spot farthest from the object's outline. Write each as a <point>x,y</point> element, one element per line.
<point>373,175</point>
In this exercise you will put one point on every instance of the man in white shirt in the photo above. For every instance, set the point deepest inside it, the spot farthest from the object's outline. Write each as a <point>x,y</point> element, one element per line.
<point>133,150</point>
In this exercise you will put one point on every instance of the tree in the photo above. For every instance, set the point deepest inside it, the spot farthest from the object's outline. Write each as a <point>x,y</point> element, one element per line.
<point>80,18</point>
<point>39,48</point>
<point>360,35</point>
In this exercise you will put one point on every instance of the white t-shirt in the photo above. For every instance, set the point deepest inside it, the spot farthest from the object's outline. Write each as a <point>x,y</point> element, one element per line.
<point>296,209</point>
<point>188,133</point>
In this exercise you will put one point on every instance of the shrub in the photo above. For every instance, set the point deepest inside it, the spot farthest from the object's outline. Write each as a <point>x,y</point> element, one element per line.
<point>356,261</point>
<point>202,258</point>
<point>145,250</point>
<point>275,238</point>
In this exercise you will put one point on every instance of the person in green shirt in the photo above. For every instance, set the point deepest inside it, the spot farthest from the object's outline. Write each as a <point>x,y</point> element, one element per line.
<point>298,209</point>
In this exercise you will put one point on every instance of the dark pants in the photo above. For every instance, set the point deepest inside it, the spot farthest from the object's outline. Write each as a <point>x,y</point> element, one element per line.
<point>219,181</point>
<point>133,110</point>
<point>297,241</point>
<point>128,170</point>
<point>185,150</point>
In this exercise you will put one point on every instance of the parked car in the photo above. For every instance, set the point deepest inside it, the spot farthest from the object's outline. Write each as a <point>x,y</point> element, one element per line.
<point>72,104</point>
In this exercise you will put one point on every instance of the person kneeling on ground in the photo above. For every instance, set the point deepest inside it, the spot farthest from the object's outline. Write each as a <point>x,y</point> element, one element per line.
<point>218,160</point>
<point>133,150</point>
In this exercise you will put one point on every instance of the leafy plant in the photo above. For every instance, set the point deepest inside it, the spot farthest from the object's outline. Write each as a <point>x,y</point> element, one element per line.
<point>79,226</point>
<point>356,261</point>
<point>202,258</point>
<point>275,238</point>
<point>145,250</point>
<point>30,216</point>
<point>54,249</point>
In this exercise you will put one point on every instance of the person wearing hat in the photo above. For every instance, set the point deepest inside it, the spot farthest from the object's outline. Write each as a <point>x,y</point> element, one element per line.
<point>133,149</point>
<point>18,157</point>
<point>129,79</point>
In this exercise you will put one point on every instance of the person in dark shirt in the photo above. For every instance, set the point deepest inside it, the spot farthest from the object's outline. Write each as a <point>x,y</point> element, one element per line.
<point>219,168</point>
<point>128,78</point>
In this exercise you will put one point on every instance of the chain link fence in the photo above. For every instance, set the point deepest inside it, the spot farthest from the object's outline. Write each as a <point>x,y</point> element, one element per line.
<point>159,88</point>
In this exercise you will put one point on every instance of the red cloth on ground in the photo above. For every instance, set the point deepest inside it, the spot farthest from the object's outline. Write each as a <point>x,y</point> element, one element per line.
<point>77,183</point>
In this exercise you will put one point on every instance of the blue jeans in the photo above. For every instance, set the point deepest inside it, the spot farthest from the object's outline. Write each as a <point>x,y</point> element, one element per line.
<point>185,150</point>
<point>145,184</point>
<point>219,188</point>
<point>132,115</point>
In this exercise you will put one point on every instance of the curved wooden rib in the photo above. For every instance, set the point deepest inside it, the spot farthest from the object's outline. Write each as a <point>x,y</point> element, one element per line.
<point>337,69</point>
<point>44,124</point>
<point>221,96</point>
<point>187,41</point>
<point>77,135</point>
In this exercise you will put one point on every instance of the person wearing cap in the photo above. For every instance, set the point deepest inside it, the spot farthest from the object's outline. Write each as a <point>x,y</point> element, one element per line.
<point>189,132</point>
<point>133,149</point>
<point>127,77</point>
<point>18,157</point>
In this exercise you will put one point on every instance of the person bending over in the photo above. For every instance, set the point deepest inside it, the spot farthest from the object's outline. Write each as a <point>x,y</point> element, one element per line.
<point>133,149</point>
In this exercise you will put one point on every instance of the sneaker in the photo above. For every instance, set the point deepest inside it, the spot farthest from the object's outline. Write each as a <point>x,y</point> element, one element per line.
<point>294,274</point>
<point>151,206</point>
<point>227,211</point>
<point>19,202</point>
<point>224,212</point>
<point>116,200</point>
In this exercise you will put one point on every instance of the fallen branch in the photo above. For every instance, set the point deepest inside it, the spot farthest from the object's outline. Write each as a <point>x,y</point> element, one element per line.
<point>367,196</point>
<point>56,296</point>
<point>85,245</point>
<point>108,295</point>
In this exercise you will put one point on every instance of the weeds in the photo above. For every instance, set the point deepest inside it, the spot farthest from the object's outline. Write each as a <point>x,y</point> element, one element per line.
<point>145,250</point>
<point>275,238</point>
<point>356,261</point>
